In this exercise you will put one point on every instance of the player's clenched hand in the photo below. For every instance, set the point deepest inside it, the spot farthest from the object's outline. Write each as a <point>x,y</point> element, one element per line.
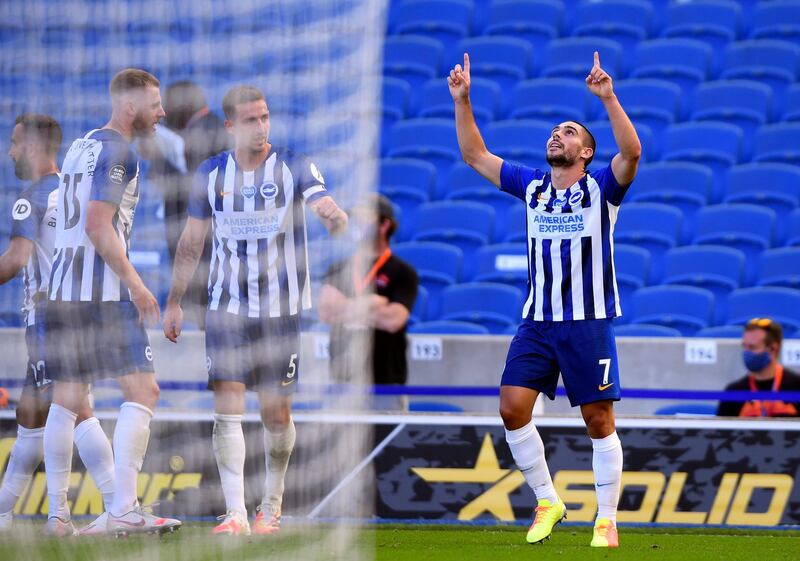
<point>146,304</point>
<point>598,81</point>
<point>173,322</point>
<point>458,81</point>
<point>326,209</point>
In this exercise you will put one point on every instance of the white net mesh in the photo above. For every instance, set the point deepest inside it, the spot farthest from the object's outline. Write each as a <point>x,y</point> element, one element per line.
<point>318,64</point>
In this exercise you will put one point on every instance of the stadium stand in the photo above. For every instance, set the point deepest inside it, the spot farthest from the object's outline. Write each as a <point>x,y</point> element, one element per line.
<point>715,81</point>
<point>438,266</point>
<point>685,308</point>
<point>494,306</point>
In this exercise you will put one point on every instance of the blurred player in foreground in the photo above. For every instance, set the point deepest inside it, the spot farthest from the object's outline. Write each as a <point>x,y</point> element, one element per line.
<point>573,294</point>
<point>98,303</point>
<point>35,141</point>
<point>258,284</point>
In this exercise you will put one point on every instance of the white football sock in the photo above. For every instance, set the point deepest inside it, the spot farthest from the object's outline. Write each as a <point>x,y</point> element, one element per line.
<point>528,451</point>
<point>278,447</point>
<point>26,455</point>
<point>229,450</point>
<point>131,436</point>
<point>95,452</point>
<point>607,467</point>
<point>58,458</point>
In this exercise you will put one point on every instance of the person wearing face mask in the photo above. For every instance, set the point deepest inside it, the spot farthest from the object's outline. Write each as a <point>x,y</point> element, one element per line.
<point>761,345</point>
<point>376,288</point>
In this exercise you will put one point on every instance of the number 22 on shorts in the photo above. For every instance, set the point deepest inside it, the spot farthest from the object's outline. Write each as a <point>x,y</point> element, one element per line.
<point>606,364</point>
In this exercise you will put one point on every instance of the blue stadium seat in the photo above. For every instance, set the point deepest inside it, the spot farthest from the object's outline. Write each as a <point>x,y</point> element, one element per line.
<point>624,21</point>
<point>520,140</point>
<point>506,60</point>
<point>652,226</point>
<point>444,20</point>
<point>413,59</point>
<point>484,96</point>
<point>535,21</point>
<point>550,99</point>
<point>684,62</point>
<point>506,263</point>
<point>688,409</point>
<point>438,266</point>
<point>778,143</point>
<point>432,140</point>
<point>573,57</point>
<point>449,328</point>
<point>420,311</point>
<point>779,19</point>
<point>716,268</point>
<point>646,330</point>
<point>740,102</point>
<point>791,110</point>
<point>714,144</point>
<point>465,224</point>
<point>780,267</point>
<point>685,308</point>
<point>495,306</point>
<point>655,103</point>
<point>408,183</point>
<point>774,185</point>
<point>684,185</point>
<point>715,22</point>
<point>408,173</point>
<point>516,220</point>
<point>465,184</point>
<point>749,228</point>
<point>632,267</point>
<point>777,303</point>
<point>607,146</point>
<point>721,332</point>
<point>774,63</point>
<point>395,101</point>
<point>793,236</point>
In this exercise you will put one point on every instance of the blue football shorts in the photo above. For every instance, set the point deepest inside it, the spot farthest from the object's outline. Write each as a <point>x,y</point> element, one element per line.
<point>583,352</point>
<point>87,341</point>
<point>261,353</point>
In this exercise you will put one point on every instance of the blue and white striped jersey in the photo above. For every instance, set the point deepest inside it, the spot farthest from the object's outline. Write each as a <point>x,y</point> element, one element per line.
<point>101,166</point>
<point>259,263</point>
<point>570,243</point>
<point>34,218</point>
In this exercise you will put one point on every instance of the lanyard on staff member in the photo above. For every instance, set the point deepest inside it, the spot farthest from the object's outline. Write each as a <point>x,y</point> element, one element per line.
<point>776,386</point>
<point>360,284</point>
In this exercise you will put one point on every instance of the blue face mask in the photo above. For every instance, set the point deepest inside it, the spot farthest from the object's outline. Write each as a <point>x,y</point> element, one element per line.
<point>755,362</point>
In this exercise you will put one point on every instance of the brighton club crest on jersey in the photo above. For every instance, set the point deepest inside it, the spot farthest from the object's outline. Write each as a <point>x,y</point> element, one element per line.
<point>268,190</point>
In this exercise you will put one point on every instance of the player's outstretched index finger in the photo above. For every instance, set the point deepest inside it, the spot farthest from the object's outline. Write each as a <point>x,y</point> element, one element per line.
<point>596,58</point>
<point>466,63</point>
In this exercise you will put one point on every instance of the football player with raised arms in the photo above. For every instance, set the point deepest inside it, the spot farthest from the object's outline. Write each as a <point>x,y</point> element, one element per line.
<point>572,299</point>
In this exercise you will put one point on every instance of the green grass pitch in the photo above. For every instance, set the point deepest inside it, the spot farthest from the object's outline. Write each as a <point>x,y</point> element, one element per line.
<point>410,543</point>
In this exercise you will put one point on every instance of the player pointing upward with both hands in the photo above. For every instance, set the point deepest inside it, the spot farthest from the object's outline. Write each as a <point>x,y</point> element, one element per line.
<point>572,296</point>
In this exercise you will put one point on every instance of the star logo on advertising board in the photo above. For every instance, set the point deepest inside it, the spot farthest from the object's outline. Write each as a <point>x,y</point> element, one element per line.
<point>487,469</point>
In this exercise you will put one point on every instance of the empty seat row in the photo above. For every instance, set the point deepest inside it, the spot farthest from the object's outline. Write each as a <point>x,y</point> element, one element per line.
<point>507,60</point>
<point>687,309</point>
<point>627,21</point>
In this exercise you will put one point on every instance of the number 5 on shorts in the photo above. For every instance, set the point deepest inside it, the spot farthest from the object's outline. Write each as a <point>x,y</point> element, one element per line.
<point>292,366</point>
